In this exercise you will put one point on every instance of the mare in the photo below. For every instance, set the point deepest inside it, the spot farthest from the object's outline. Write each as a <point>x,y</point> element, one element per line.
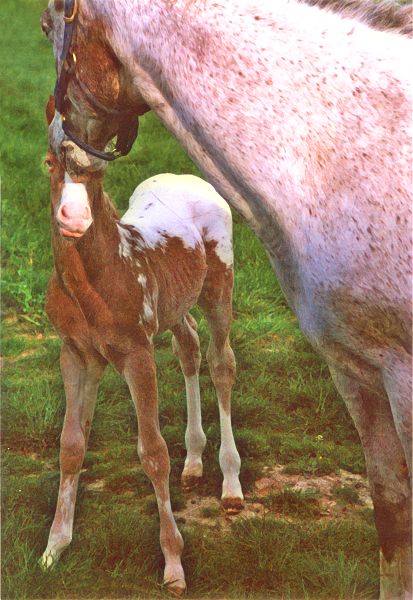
<point>301,118</point>
<point>115,285</point>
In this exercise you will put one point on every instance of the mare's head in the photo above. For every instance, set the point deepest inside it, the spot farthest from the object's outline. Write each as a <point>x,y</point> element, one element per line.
<point>93,99</point>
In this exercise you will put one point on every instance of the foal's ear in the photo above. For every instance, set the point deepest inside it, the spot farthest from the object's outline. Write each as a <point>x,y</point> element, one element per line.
<point>50,161</point>
<point>50,109</point>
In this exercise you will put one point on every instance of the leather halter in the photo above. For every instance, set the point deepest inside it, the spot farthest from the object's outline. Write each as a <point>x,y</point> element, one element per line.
<point>129,123</point>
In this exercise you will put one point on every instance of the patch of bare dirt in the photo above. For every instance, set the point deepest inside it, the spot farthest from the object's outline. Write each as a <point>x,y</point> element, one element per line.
<point>206,510</point>
<point>275,480</point>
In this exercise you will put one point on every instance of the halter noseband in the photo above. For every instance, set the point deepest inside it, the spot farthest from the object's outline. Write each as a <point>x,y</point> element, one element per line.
<point>128,127</point>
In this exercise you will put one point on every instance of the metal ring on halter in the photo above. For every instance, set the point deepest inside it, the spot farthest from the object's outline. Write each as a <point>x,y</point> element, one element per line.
<point>72,17</point>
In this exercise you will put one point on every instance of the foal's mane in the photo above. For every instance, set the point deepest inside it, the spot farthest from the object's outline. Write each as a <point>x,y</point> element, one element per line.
<point>386,15</point>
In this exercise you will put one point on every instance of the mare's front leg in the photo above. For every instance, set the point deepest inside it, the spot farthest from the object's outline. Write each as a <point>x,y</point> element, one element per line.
<point>397,377</point>
<point>140,374</point>
<point>81,380</point>
<point>389,483</point>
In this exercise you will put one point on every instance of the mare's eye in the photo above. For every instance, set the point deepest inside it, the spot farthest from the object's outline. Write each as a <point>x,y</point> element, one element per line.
<point>49,163</point>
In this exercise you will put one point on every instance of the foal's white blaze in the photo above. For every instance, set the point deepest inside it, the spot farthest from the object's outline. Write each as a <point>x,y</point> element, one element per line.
<point>74,193</point>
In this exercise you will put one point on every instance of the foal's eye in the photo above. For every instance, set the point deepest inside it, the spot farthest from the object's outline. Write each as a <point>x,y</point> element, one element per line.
<point>49,163</point>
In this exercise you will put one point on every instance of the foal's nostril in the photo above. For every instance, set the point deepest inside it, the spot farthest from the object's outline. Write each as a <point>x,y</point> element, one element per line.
<point>72,215</point>
<point>63,212</point>
<point>86,214</point>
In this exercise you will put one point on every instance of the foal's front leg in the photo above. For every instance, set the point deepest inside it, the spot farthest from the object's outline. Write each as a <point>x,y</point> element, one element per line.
<point>81,383</point>
<point>140,374</point>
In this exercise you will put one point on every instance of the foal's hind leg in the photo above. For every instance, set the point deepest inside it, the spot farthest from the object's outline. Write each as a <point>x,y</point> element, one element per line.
<point>185,344</point>
<point>216,303</point>
<point>389,483</point>
<point>81,382</point>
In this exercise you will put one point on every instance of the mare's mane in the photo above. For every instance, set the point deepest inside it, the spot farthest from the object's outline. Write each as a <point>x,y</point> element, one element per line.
<point>386,15</point>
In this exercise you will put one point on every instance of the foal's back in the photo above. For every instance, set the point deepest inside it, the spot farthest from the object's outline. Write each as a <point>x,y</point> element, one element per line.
<point>181,206</point>
<point>177,233</point>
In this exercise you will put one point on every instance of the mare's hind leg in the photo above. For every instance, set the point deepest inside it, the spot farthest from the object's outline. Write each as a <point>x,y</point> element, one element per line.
<point>216,303</point>
<point>389,483</point>
<point>185,344</point>
<point>81,382</point>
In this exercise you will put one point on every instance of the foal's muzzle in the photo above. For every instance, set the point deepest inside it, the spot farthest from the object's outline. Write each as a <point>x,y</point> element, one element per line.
<point>73,215</point>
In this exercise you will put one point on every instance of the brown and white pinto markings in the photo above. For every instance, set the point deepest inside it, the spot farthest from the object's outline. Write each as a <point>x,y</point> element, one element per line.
<point>301,118</point>
<point>115,285</point>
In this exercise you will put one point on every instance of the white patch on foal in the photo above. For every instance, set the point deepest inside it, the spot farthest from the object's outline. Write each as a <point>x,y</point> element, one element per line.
<point>195,439</point>
<point>229,459</point>
<point>147,310</point>
<point>142,279</point>
<point>182,206</point>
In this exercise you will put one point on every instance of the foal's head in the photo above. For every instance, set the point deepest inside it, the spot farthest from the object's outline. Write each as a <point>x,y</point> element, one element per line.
<point>71,210</point>
<point>92,92</point>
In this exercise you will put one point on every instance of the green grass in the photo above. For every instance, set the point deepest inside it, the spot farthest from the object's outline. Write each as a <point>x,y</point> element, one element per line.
<point>292,502</point>
<point>285,408</point>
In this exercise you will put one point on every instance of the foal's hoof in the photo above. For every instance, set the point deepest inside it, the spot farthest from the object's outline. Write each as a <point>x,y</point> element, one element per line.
<point>47,562</point>
<point>176,588</point>
<point>232,506</point>
<point>189,482</point>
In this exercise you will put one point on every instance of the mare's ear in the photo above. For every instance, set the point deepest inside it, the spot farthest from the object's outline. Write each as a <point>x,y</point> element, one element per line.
<point>50,109</point>
<point>46,22</point>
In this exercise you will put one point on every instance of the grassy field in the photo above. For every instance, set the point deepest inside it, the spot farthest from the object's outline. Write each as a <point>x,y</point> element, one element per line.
<point>286,412</point>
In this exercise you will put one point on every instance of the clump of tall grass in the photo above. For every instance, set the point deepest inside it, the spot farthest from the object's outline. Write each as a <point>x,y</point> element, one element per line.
<point>295,503</point>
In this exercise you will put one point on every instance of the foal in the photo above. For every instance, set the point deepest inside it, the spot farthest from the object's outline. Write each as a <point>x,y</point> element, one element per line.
<point>115,285</point>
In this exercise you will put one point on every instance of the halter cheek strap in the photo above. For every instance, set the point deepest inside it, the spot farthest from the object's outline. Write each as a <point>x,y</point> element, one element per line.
<point>125,140</point>
<point>70,12</point>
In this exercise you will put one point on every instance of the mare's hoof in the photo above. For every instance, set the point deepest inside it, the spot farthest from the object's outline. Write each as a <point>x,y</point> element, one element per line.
<point>232,506</point>
<point>189,482</point>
